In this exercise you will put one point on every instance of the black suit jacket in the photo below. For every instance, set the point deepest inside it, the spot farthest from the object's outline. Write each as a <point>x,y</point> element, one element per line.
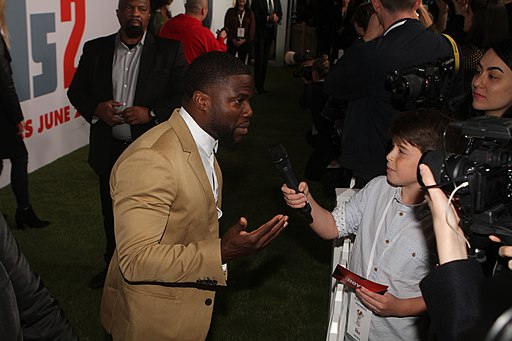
<point>260,9</point>
<point>159,87</point>
<point>11,144</point>
<point>462,304</point>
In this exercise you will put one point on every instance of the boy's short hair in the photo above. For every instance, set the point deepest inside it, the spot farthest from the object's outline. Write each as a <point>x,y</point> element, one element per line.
<point>422,128</point>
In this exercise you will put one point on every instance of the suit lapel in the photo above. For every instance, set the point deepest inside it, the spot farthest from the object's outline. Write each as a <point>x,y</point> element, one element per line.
<point>218,172</point>
<point>145,65</point>
<point>194,159</point>
<point>106,56</point>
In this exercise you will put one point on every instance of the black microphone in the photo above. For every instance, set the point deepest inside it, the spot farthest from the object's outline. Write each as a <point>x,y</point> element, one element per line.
<point>284,166</point>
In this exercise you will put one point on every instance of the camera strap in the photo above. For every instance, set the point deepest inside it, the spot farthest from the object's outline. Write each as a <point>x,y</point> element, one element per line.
<point>456,53</point>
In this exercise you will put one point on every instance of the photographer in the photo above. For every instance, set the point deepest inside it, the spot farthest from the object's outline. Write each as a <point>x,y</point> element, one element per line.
<point>461,304</point>
<point>394,39</point>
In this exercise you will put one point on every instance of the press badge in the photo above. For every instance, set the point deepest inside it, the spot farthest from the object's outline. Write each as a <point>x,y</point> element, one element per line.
<point>240,32</point>
<point>359,319</point>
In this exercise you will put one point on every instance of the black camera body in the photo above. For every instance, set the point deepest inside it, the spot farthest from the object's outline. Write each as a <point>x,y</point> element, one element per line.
<point>423,86</point>
<point>293,58</point>
<point>485,163</point>
<point>304,72</point>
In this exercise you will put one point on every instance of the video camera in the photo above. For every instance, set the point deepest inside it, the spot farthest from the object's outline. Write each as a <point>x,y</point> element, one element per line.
<point>423,86</point>
<point>485,162</point>
<point>293,58</point>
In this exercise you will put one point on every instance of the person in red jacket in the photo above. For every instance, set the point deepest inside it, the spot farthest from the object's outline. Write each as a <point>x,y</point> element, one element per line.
<point>189,30</point>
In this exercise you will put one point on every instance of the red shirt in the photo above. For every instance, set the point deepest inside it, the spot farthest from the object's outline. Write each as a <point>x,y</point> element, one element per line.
<point>194,37</point>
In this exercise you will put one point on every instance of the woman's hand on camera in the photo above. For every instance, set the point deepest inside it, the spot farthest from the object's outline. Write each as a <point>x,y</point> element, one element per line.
<point>451,244</point>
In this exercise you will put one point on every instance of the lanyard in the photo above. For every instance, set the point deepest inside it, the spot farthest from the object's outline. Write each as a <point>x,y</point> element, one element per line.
<point>241,18</point>
<point>377,234</point>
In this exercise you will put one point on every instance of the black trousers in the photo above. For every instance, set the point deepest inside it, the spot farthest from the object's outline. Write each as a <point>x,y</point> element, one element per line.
<point>116,149</point>
<point>19,181</point>
<point>243,51</point>
<point>261,52</point>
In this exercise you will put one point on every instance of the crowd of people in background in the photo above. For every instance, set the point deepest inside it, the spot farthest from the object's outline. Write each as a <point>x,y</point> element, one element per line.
<point>473,25</point>
<point>360,130</point>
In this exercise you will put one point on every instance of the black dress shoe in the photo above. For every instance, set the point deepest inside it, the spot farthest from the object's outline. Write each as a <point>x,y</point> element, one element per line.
<point>98,280</point>
<point>28,217</point>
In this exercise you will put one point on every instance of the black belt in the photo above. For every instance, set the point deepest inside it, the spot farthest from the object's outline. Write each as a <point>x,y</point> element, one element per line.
<point>123,142</point>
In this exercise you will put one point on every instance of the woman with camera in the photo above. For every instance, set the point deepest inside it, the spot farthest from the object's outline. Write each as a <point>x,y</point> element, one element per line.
<point>492,83</point>
<point>462,304</point>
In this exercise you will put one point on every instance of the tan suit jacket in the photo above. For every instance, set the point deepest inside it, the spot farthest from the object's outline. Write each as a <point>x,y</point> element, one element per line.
<point>160,283</point>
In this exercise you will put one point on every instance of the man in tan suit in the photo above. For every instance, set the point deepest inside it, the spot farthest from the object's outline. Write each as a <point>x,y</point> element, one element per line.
<point>166,190</point>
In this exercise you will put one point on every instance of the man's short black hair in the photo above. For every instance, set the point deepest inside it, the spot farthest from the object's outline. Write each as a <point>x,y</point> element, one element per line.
<point>212,68</point>
<point>394,6</point>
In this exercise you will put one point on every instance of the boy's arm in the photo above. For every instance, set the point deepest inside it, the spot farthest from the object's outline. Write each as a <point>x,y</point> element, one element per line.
<point>389,305</point>
<point>323,222</point>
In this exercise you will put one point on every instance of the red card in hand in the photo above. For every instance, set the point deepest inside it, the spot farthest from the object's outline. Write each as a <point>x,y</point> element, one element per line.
<point>354,281</point>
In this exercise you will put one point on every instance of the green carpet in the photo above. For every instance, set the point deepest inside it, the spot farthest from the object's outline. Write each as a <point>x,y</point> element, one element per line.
<point>279,294</point>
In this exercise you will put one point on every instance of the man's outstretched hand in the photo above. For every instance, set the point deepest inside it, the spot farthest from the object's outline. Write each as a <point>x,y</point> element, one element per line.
<point>237,242</point>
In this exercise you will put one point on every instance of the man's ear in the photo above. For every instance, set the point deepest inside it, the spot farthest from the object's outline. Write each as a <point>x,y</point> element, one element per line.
<point>201,100</point>
<point>377,6</point>
<point>417,5</point>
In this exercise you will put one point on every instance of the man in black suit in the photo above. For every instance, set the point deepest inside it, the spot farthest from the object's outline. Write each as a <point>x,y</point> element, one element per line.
<point>394,39</point>
<point>125,84</point>
<point>267,13</point>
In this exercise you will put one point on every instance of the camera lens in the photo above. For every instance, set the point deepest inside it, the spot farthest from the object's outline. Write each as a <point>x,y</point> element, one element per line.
<point>410,86</point>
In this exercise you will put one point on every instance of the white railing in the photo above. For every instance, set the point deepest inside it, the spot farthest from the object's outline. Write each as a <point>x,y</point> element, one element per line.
<point>338,297</point>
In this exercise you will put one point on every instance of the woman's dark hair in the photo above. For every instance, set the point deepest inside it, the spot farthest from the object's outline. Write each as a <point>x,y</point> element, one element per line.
<point>504,50</point>
<point>247,5</point>
<point>490,23</point>
<point>156,4</point>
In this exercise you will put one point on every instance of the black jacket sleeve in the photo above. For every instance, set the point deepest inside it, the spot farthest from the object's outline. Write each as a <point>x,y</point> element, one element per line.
<point>8,97</point>
<point>26,304</point>
<point>452,292</point>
